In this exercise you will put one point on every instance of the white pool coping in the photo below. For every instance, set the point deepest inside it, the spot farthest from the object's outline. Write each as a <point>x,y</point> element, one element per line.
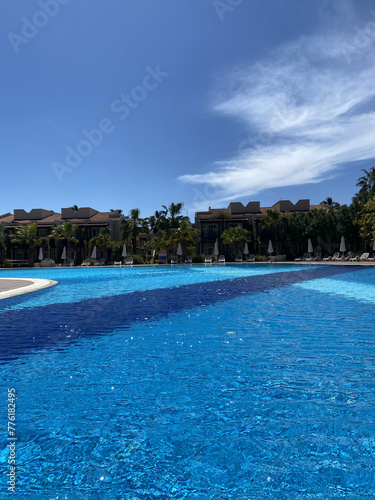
<point>35,284</point>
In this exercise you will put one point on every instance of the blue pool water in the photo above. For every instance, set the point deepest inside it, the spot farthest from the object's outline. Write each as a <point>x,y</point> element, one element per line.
<point>238,382</point>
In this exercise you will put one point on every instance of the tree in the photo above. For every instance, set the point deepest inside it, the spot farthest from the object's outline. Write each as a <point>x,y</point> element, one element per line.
<point>185,234</point>
<point>158,221</point>
<point>75,208</point>
<point>330,204</point>
<point>3,239</point>
<point>235,236</point>
<point>118,210</point>
<point>158,242</point>
<point>367,181</point>
<point>104,241</point>
<point>175,217</point>
<point>28,236</point>
<point>274,220</point>
<point>366,221</point>
<point>133,225</point>
<point>66,231</point>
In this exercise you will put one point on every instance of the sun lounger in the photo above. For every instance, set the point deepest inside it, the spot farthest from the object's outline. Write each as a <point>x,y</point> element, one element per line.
<point>336,256</point>
<point>69,263</point>
<point>174,260</point>
<point>117,263</point>
<point>328,258</point>
<point>349,256</point>
<point>318,256</point>
<point>86,262</point>
<point>238,258</point>
<point>208,260</point>
<point>363,257</point>
<point>100,263</point>
<point>304,257</point>
<point>129,261</point>
<point>221,259</point>
<point>188,260</point>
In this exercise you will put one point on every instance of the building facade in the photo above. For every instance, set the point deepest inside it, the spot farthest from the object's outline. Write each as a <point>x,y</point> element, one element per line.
<point>212,223</point>
<point>88,220</point>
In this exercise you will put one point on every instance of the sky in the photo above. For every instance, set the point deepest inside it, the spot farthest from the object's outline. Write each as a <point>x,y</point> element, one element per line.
<point>140,103</point>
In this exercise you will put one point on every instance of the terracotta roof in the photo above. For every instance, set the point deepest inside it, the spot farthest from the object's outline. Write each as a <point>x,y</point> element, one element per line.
<point>99,218</point>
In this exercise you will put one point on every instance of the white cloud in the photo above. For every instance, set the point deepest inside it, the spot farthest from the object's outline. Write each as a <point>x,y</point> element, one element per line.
<point>311,101</point>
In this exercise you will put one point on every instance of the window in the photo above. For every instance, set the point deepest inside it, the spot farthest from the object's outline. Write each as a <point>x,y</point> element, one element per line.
<point>210,231</point>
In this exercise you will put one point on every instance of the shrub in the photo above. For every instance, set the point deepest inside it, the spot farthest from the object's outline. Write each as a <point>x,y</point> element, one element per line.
<point>198,259</point>
<point>8,263</point>
<point>137,259</point>
<point>260,258</point>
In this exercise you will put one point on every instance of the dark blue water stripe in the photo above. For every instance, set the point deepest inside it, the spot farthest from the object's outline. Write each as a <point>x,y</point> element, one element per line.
<point>52,325</point>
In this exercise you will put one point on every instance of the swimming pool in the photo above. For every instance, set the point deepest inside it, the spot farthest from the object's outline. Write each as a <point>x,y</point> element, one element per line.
<point>230,382</point>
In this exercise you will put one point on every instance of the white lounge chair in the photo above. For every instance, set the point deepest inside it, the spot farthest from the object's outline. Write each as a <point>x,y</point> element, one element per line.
<point>174,260</point>
<point>188,260</point>
<point>86,262</point>
<point>69,263</point>
<point>100,263</point>
<point>129,261</point>
<point>208,260</point>
<point>304,257</point>
<point>318,256</point>
<point>221,259</point>
<point>117,263</point>
<point>363,257</point>
<point>250,258</point>
<point>238,258</point>
<point>336,256</point>
<point>349,256</point>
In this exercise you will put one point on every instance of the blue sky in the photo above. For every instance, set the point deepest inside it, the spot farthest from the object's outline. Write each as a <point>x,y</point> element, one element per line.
<point>138,103</point>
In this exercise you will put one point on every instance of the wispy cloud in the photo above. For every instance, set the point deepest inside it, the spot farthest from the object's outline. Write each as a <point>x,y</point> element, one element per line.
<point>314,104</point>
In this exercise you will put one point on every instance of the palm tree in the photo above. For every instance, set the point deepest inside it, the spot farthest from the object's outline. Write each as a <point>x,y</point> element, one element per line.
<point>28,237</point>
<point>104,241</point>
<point>274,220</point>
<point>118,210</point>
<point>133,225</point>
<point>367,181</point>
<point>158,242</point>
<point>185,234</point>
<point>66,231</point>
<point>175,217</point>
<point>235,236</point>
<point>330,204</point>
<point>158,221</point>
<point>75,208</point>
